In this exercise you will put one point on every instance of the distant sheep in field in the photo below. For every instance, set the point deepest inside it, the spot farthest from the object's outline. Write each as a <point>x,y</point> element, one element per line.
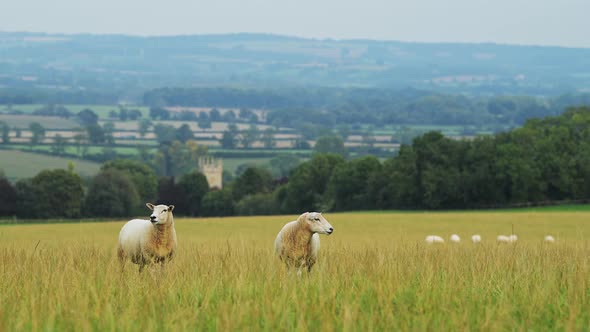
<point>455,238</point>
<point>298,242</point>
<point>503,239</point>
<point>431,239</point>
<point>507,239</point>
<point>147,241</point>
<point>549,239</point>
<point>476,238</point>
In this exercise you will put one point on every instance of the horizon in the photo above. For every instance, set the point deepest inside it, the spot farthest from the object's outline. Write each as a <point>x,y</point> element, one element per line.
<point>277,35</point>
<point>505,22</point>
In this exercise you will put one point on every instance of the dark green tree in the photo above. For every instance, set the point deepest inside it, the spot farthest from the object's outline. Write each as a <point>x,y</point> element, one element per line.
<point>111,194</point>
<point>8,197</point>
<point>252,181</point>
<point>194,186</point>
<point>143,177</point>
<point>218,203</point>
<point>38,132</point>
<point>331,144</point>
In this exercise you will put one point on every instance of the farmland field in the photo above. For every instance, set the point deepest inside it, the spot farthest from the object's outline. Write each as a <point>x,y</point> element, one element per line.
<point>18,164</point>
<point>374,273</point>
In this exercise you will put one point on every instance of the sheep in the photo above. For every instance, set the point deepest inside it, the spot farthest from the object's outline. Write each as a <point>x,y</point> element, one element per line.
<point>507,239</point>
<point>503,239</point>
<point>476,238</point>
<point>430,239</point>
<point>298,242</point>
<point>455,238</point>
<point>147,241</point>
<point>549,239</point>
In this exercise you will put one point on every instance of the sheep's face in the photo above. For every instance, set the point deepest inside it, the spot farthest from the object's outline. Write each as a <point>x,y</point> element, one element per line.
<point>317,223</point>
<point>161,214</point>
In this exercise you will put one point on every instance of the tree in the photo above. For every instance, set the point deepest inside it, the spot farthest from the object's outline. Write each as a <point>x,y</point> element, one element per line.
<point>348,187</point>
<point>218,203</point>
<point>308,182</point>
<point>184,133</point>
<point>330,144</point>
<point>5,132</point>
<point>257,205</point>
<point>143,177</point>
<point>38,132</point>
<point>253,180</point>
<point>230,137</point>
<point>215,115</point>
<point>111,194</point>
<point>268,138</point>
<point>283,164</point>
<point>159,113</point>
<point>95,134</point>
<point>143,126</point>
<point>8,197</point>
<point>165,134</point>
<point>194,186</point>
<point>250,136</point>
<point>87,117</point>
<point>59,144</point>
<point>109,129</point>
<point>50,194</point>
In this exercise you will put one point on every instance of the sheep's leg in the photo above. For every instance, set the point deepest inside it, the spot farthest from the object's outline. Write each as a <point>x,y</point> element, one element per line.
<point>122,259</point>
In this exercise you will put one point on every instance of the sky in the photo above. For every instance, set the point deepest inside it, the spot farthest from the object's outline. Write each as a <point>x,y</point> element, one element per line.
<point>530,22</point>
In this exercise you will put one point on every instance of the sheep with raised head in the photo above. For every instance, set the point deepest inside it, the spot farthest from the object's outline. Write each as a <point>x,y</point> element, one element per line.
<point>476,238</point>
<point>455,238</point>
<point>431,239</point>
<point>147,241</point>
<point>298,242</point>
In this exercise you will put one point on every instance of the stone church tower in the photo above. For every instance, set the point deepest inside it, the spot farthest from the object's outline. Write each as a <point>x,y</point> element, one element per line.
<point>212,168</point>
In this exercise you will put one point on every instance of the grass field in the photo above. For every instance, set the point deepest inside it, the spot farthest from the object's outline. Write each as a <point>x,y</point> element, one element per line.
<point>18,164</point>
<point>374,273</point>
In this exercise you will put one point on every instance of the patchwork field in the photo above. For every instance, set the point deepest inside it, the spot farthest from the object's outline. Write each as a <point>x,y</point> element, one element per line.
<point>374,273</point>
<point>19,164</point>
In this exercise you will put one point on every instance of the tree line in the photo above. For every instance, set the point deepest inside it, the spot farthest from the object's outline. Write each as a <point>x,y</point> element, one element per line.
<point>333,106</point>
<point>545,160</point>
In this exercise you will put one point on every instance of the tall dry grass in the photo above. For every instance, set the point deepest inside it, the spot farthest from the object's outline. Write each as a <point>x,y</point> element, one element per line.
<point>374,273</point>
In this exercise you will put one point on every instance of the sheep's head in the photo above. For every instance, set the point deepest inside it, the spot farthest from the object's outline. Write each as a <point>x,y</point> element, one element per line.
<point>316,223</point>
<point>161,214</point>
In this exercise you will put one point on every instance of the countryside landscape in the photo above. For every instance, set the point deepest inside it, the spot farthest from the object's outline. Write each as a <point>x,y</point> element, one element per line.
<point>181,175</point>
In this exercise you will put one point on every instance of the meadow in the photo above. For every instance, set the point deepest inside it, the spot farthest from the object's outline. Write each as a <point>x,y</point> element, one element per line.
<point>373,273</point>
<point>19,164</point>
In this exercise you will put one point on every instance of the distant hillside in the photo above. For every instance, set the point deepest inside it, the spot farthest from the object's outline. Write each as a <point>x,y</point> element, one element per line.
<point>18,164</point>
<point>114,68</point>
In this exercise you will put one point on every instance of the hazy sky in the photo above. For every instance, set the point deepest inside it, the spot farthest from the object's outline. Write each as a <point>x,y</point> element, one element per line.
<point>540,22</point>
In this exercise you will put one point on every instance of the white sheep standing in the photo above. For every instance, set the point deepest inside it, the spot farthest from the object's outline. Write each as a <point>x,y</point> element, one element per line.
<point>147,241</point>
<point>507,239</point>
<point>476,238</point>
<point>503,239</point>
<point>298,242</point>
<point>431,239</point>
<point>455,238</point>
<point>549,239</point>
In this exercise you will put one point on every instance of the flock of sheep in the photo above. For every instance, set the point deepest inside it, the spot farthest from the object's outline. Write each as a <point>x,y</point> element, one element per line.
<point>154,241</point>
<point>297,244</point>
<point>432,239</point>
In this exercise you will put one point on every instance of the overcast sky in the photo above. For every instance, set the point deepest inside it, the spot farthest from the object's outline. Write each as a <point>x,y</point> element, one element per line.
<point>537,22</point>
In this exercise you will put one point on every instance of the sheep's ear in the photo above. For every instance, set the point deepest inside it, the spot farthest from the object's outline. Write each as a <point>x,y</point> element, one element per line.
<point>150,206</point>
<point>170,208</point>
